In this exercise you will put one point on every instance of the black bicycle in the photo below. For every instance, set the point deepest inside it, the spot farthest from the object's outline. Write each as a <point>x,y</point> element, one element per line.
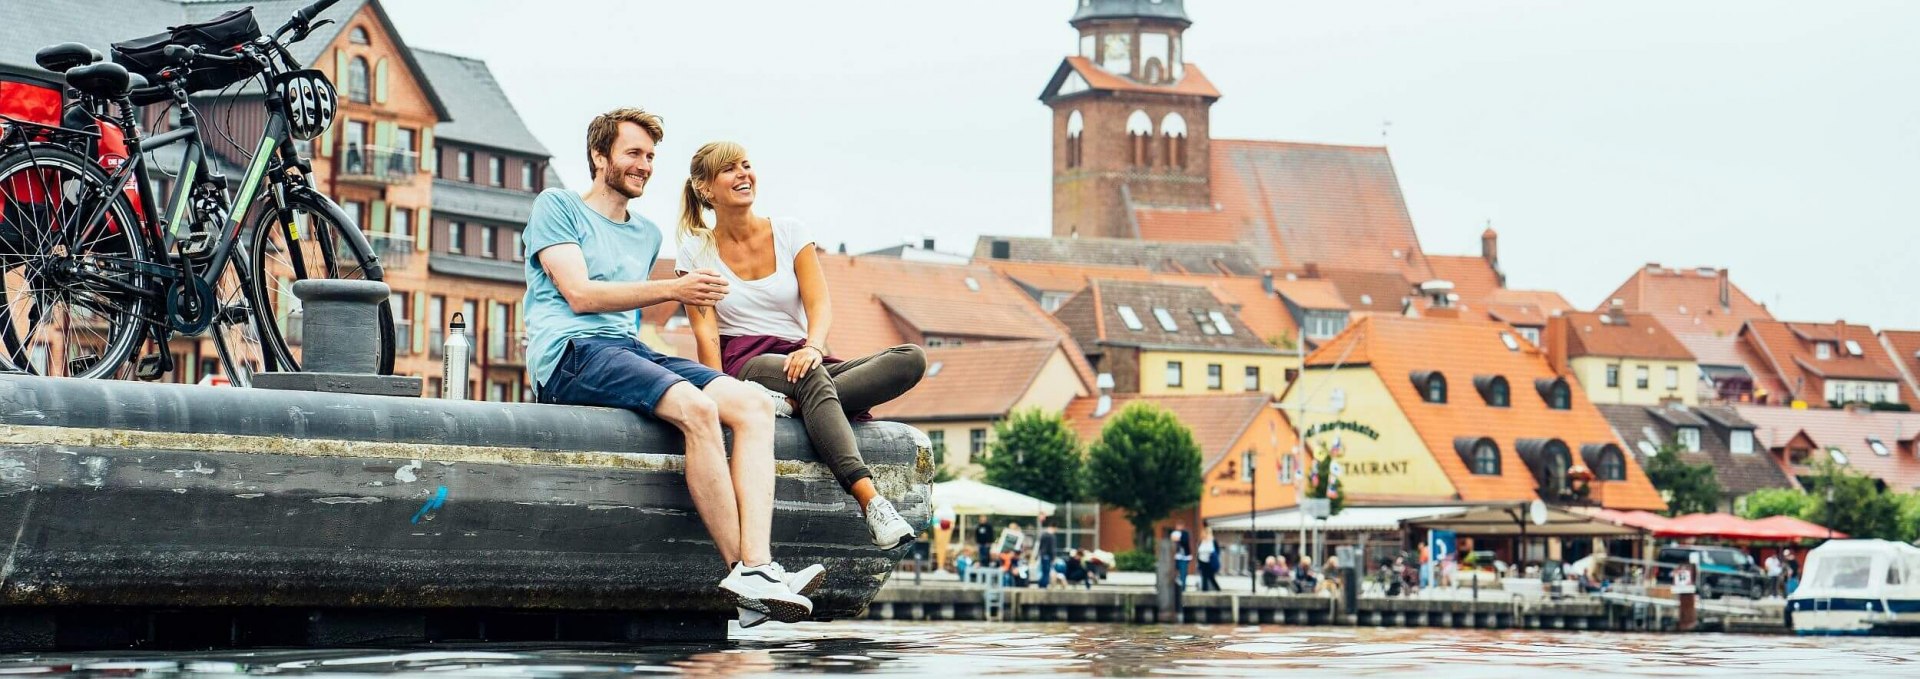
<point>93,269</point>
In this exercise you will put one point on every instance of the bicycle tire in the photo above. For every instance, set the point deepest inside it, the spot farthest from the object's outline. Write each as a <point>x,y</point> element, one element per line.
<point>236,330</point>
<point>31,209</point>
<point>320,245</point>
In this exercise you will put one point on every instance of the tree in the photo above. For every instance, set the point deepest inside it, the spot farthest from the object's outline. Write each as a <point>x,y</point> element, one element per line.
<point>1688,488</point>
<point>1034,452</point>
<point>1767,502</point>
<point>1859,508</point>
<point>1147,464</point>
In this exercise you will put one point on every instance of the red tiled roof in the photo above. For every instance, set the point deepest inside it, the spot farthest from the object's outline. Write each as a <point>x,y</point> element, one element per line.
<point>1687,300</point>
<point>1371,291</point>
<point>980,381</point>
<point>1006,319</point>
<point>1848,431</point>
<point>1293,204</point>
<point>1472,277</point>
<point>1629,336</point>
<point>1192,81</point>
<point>1217,420</point>
<point>1312,293</point>
<point>1059,277</point>
<point>1102,301</point>
<point>1788,352</point>
<point>1460,350</point>
<point>1262,313</point>
<point>1904,348</point>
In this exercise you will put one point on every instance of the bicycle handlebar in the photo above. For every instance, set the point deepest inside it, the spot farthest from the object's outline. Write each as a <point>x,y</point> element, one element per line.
<point>303,15</point>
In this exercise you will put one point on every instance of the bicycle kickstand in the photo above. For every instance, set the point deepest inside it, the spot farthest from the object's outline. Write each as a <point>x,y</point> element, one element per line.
<point>150,367</point>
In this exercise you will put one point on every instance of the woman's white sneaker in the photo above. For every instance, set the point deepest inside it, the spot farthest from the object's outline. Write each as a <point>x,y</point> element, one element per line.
<point>889,530</point>
<point>764,589</point>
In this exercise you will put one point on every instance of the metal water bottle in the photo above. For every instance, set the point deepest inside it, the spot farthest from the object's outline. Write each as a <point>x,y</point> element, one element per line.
<point>458,353</point>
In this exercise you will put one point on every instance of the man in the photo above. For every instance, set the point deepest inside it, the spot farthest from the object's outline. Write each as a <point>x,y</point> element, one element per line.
<point>1776,580</point>
<point>587,263</point>
<point>1046,550</point>
<point>983,539</point>
<point>1182,551</point>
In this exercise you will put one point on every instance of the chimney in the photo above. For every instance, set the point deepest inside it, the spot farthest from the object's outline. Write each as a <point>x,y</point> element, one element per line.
<point>1439,293</point>
<point>843,247</point>
<point>1266,282</point>
<point>1556,340</point>
<point>1617,312</point>
<point>1313,269</point>
<point>1490,247</point>
<point>1726,291</point>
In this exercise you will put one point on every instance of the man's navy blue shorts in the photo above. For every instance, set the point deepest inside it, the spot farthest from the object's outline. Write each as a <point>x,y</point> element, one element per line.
<point>619,372</point>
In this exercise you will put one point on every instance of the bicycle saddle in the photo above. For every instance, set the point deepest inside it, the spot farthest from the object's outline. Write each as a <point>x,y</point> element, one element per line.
<point>64,56</point>
<point>105,79</point>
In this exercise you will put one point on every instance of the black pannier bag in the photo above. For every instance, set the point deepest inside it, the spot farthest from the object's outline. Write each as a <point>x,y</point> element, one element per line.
<point>220,34</point>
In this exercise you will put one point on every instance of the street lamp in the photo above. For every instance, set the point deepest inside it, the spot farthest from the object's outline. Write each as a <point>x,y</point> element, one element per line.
<point>1829,511</point>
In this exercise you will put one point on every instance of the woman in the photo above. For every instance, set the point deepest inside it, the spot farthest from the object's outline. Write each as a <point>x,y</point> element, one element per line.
<point>771,329</point>
<point>1209,561</point>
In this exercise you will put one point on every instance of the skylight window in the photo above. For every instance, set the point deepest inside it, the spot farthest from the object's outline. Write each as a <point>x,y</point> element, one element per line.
<point>1878,447</point>
<point>1853,348</point>
<point>1131,319</point>
<point>1166,320</point>
<point>1839,458</point>
<point>972,284</point>
<point>1220,322</point>
<point>1206,325</point>
<point>1507,339</point>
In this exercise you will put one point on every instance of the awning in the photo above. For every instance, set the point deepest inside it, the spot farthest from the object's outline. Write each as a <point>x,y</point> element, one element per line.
<point>974,498</point>
<point>1501,520</point>
<point>1799,529</point>
<point>1351,519</point>
<point>1730,527</point>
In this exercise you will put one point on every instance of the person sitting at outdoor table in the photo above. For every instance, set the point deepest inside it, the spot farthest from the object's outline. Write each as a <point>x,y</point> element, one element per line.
<point>1305,579</point>
<point>1010,570</point>
<point>1275,573</point>
<point>1330,577</point>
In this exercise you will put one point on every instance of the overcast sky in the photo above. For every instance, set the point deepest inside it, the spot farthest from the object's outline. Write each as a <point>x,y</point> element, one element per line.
<point>1781,139</point>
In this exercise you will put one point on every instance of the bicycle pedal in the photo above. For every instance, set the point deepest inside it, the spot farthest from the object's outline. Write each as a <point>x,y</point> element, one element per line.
<point>150,367</point>
<point>197,244</point>
<point>79,364</point>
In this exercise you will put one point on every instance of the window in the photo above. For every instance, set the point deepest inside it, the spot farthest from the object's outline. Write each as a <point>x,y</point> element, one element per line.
<point>1220,323</point>
<point>977,442</point>
<point>1613,466</point>
<point>1823,350</point>
<point>1838,457</point>
<point>356,211</point>
<point>496,391</point>
<point>1214,380</point>
<point>1878,447</point>
<point>1486,459</point>
<point>1173,134</point>
<point>1613,376</point>
<point>1853,348</point>
<point>402,225</point>
<point>1166,320</point>
<point>937,441</point>
<point>1741,441</point>
<point>1689,438</point>
<point>526,176</point>
<point>496,171</point>
<point>1246,467</point>
<point>1175,376</point>
<point>357,87</point>
<point>1647,449</point>
<point>518,256</point>
<point>1435,388</point>
<point>465,166</point>
<point>1325,323</point>
<point>1051,301</point>
<point>472,319</point>
<point>403,139</point>
<point>488,238</point>
<point>1200,320</point>
<point>1494,390</point>
<point>1559,395</point>
<point>1640,377</point>
<point>499,321</point>
<point>1253,378</point>
<point>1131,319</point>
<point>358,36</point>
<point>1507,339</point>
<point>436,321</point>
<point>1139,132</point>
<point>1531,333</point>
<point>456,237</point>
<point>1673,378</point>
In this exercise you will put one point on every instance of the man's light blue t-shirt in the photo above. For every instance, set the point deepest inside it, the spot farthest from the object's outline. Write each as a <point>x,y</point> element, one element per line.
<point>614,251</point>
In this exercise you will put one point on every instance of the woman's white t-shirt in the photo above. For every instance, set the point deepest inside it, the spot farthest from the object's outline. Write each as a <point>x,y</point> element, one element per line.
<point>764,306</point>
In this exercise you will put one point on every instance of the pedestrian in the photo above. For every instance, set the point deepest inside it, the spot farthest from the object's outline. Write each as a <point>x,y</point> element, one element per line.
<point>1776,575</point>
<point>1209,553</point>
<point>772,329</point>
<point>1790,565</point>
<point>1077,571</point>
<point>1046,555</point>
<point>588,258</point>
<point>983,543</point>
<point>1182,552</point>
<point>1426,565</point>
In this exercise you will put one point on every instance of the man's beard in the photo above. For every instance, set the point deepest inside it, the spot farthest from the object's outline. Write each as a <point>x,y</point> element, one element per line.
<point>616,181</point>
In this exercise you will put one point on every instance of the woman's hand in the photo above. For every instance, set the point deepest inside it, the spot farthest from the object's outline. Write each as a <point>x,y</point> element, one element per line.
<point>801,361</point>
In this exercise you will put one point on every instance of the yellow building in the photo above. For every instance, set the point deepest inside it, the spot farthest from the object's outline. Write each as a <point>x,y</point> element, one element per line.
<point>1169,339</point>
<point>1624,358</point>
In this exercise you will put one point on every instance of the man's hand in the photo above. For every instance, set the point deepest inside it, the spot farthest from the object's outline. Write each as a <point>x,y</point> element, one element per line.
<point>700,287</point>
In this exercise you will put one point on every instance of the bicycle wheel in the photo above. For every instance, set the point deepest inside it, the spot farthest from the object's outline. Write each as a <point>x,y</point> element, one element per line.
<point>236,330</point>
<point>326,244</point>
<point>72,306</point>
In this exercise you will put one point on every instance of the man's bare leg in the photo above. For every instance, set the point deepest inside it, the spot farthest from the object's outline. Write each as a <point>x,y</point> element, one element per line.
<point>698,420</point>
<point>748,412</point>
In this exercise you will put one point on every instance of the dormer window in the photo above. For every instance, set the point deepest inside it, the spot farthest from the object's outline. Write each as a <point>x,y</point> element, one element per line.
<point>1431,384</point>
<point>1823,350</point>
<point>1606,460</point>
<point>1549,460</point>
<point>1131,319</point>
<point>1555,392</point>
<point>1494,390</point>
<point>1481,455</point>
<point>1740,441</point>
<point>1689,438</point>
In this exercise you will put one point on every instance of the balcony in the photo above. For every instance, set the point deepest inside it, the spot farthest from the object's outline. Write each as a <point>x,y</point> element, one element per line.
<point>377,165</point>
<point>506,349</point>
<point>394,250</point>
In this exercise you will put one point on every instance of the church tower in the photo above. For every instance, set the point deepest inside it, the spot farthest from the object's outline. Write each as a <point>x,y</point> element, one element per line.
<point>1129,119</point>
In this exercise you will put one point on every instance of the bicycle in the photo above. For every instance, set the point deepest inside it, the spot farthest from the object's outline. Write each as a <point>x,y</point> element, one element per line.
<point>89,277</point>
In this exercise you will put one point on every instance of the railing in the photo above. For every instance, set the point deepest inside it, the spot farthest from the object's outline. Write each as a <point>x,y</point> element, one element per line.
<point>507,348</point>
<point>394,250</point>
<point>377,164</point>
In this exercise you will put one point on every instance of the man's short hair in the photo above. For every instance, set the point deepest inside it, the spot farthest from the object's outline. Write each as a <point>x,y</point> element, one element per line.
<point>606,127</point>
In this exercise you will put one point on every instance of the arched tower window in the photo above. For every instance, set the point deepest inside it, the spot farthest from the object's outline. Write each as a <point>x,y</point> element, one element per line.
<point>1075,125</point>
<point>1173,134</point>
<point>1139,131</point>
